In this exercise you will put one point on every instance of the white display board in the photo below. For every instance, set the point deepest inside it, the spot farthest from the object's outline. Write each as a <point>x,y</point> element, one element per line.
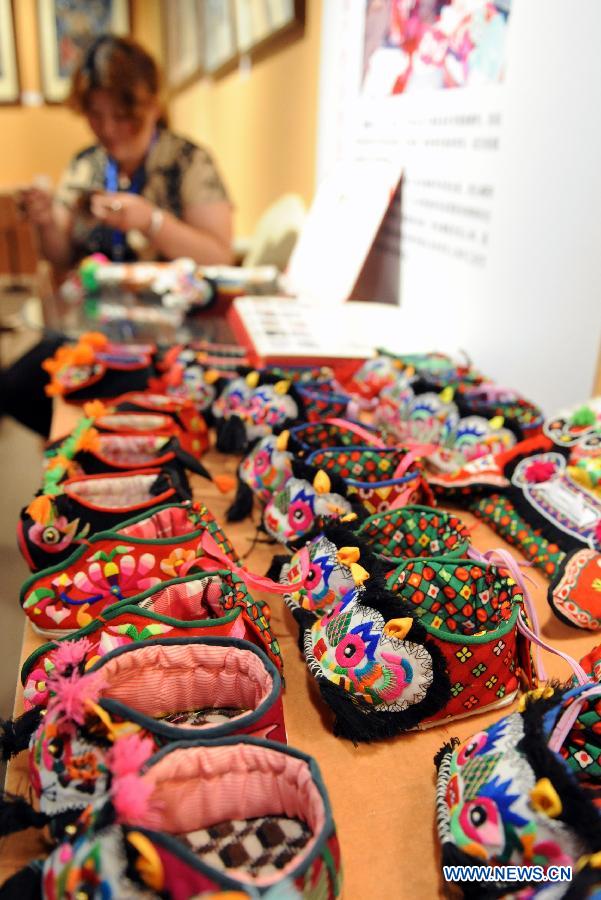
<point>501,233</point>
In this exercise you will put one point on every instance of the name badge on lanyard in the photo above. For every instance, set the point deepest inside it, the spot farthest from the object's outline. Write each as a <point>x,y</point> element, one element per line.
<point>111,183</point>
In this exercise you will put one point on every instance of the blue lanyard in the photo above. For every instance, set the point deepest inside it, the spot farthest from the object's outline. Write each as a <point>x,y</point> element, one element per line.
<point>111,183</point>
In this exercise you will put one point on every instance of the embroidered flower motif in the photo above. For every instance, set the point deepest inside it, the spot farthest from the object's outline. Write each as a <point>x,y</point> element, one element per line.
<point>583,758</point>
<point>178,563</point>
<point>112,577</point>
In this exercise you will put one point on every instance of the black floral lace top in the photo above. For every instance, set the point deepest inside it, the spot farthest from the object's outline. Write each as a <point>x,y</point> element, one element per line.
<point>178,174</point>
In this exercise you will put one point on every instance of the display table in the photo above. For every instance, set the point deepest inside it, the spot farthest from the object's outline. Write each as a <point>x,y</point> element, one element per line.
<point>382,794</point>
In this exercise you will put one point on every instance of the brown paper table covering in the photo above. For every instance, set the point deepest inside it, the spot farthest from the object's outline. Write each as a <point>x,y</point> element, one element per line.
<point>382,794</point>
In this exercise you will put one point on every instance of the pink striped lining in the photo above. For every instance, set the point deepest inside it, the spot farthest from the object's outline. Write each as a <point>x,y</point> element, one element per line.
<point>198,599</point>
<point>161,679</point>
<point>197,787</point>
<point>167,523</point>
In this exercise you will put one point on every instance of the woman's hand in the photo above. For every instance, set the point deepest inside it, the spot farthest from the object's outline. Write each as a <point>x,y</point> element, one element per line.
<point>121,210</point>
<point>37,205</point>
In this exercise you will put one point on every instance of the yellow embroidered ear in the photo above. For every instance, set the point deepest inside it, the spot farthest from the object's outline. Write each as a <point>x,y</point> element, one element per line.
<point>148,864</point>
<point>322,483</point>
<point>348,555</point>
<point>115,730</point>
<point>252,379</point>
<point>593,860</point>
<point>281,442</point>
<point>211,376</point>
<point>496,422</point>
<point>40,510</point>
<point>398,628</point>
<point>447,394</point>
<point>358,573</point>
<point>349,517</point>
<point>545,799</point>
<point>281,387</point>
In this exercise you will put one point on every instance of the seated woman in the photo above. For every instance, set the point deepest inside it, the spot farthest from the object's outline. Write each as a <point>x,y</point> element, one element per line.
<point>141,192</point>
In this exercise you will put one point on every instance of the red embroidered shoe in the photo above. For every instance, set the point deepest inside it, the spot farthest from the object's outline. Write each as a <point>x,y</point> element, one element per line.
<point>197,605</point>
<point>116,564</point>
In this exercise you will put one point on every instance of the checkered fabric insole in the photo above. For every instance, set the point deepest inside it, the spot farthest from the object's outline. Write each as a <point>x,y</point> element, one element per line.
<point>197,718</point>
<point>259,846</point>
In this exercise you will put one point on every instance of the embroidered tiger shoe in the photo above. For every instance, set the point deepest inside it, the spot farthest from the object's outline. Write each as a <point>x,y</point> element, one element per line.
<point>166,689</point>
<point>382,478</point>
<point>307,498</point>
<point>117,564</point>
<point>253,407</point>
<point>79,507</point>
<point>375,665</point>
<point>211,604</point>
<point>263,471</point>
<point>574,594</point>
<point>474,611</point>
<point>520,793</point>
<point>253,819</point>
<point>339,557</point>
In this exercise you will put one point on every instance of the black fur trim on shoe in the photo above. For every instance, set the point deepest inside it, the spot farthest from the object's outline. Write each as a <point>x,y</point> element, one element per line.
<point>26,884</point>
<point>578,810</point>
<point>16,733</point>
<point>445,750</point>
<point>277,563</point>
<point>231,435</point>
<point>360,721</point>
<point>242,504</point>
<point>16,814</point>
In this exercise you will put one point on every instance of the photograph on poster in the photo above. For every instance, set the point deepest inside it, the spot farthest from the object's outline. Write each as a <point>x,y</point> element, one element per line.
<point>430,44</point>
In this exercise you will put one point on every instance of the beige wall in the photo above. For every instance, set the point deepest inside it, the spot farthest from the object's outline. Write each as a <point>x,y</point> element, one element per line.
<point>261,129</point>
<point>41,140</point>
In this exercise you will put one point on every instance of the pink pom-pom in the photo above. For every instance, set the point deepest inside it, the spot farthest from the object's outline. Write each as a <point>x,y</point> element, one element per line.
<point>70,695</point>
<point>539,471</point>
<point>131,798</point>
<point>128,754</point>
<point>598,531</point>
<point>70,653</point>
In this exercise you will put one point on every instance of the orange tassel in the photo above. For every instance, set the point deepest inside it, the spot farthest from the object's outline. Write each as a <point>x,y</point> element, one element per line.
<point>225,483</point>
<point>40,510</point>
<point>87,440</point>
<point>93,409</point>
<point>95,339</point>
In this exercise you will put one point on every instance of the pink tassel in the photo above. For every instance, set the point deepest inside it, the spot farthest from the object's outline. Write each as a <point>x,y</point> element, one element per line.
<point>131,798</point>
<point>128,754</point>
<point>70,694</point>
<point>70,653</point>
<point>539,471</point>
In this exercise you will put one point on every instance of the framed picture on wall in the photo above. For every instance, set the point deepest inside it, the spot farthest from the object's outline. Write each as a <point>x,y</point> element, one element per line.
<point>219,34</point>
<point>261,23</point>
<point>66,28</point>
<point>9,72</point>
<point>184,46</point>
